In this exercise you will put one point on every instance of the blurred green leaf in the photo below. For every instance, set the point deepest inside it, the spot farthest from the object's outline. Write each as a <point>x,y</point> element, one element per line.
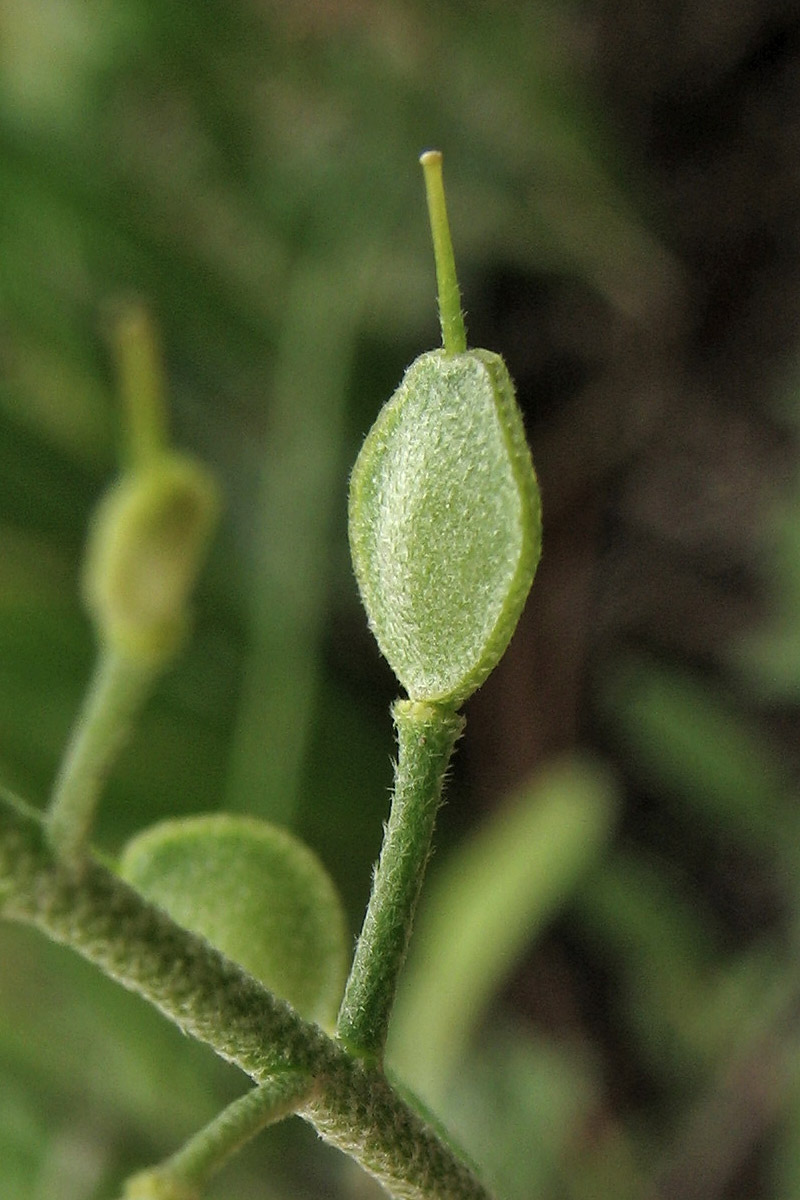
<point>287,543</point>
<point>684,736</point>
<point>486,905</point>
<point>683,995</point>
<point>521,1092</point>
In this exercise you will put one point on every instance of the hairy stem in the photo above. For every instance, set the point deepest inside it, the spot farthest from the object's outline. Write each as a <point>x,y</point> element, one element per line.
<point>426,735</point>
<point>353,1105</point>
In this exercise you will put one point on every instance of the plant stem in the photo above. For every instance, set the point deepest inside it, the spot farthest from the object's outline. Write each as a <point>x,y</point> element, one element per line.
<point>115,695</point>
<point>189,1171</point>
<point>426,735</point>
<point>454,335</point>
<point>353,1105</point>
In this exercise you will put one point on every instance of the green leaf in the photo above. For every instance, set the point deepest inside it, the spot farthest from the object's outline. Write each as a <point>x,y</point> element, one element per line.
<point>684,737</point>
<point>445,523</point>
<point>486,904</point>
<point>256,893</point>
<point>513,1082</point>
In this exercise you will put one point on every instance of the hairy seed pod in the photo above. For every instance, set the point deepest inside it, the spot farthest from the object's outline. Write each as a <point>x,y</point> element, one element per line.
<point>445,523</point>
<point>445,519</point>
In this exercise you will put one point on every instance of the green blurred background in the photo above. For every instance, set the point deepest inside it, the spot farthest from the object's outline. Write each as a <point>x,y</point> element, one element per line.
<point>603,995</point>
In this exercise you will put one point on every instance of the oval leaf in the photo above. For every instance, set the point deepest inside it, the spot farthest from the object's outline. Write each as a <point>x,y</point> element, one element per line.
<point>256,893</point>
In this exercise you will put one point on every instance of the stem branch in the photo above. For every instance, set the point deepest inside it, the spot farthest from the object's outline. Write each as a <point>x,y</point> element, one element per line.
<point>189,1171</point>
<point>115,695</point>
<point>426,735</point>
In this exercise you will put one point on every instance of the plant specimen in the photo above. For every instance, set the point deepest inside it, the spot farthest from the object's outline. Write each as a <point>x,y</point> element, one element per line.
<point>229,925</point>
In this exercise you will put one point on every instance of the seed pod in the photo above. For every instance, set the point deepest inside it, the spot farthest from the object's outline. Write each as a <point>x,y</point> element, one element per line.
<point>445,517</point>
<point>146,544</point>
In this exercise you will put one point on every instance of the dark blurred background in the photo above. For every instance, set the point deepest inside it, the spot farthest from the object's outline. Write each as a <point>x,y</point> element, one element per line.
<point>604,996</point>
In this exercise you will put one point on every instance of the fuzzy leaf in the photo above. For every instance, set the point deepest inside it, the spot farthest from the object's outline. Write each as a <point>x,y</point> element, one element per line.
<point>256,893</point>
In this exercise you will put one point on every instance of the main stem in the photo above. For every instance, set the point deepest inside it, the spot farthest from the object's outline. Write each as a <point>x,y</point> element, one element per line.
<point>454,335</point>
<point>426,735</point>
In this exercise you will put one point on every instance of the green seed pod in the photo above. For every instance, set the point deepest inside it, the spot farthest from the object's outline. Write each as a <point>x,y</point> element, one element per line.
<point>445,517</point>
<point>256,893</point>
<point>146,545</point>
